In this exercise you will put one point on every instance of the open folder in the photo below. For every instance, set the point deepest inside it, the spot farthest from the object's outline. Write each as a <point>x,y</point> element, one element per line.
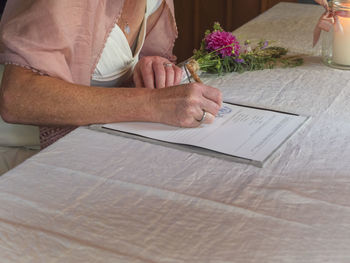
<point>239,133</point>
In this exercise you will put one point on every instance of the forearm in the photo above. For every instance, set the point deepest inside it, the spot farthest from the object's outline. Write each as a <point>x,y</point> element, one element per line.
<point>42,100</point>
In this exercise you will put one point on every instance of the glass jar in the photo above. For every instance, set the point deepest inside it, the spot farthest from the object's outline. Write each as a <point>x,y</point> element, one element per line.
<point>336,43</point>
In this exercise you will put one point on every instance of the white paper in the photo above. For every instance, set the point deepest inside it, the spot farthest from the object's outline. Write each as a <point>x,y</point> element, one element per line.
<point>239,131</point>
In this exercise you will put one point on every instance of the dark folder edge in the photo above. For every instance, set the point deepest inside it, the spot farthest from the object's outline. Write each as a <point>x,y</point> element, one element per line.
<point>178,146</point>
<point>202,150</point>
<point>260,108</point>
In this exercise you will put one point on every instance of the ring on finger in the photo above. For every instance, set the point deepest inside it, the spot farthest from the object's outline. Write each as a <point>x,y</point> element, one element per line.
<point>203,117</point>
<point>167,64</point>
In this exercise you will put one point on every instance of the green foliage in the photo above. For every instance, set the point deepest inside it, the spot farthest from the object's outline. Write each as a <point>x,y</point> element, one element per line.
<point>261,56</point>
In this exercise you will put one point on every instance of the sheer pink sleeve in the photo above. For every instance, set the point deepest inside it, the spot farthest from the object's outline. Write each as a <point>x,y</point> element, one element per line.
<point>160,40</point>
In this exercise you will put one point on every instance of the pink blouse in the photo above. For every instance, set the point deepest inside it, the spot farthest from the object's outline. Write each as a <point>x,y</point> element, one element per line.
<point>65,39</point>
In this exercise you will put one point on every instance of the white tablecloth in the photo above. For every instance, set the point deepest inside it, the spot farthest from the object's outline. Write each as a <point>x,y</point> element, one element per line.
<point>94,197</point>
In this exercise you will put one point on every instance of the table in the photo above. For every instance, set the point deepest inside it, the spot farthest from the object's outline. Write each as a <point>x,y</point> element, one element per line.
<point>95,197</point>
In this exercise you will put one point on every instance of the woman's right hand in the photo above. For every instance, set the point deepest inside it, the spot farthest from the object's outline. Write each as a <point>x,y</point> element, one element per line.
<point>64,104</point>
<point>184,105</point>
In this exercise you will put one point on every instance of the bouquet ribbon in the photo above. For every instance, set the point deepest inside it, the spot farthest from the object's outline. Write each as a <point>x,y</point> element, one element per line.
<point>327,21</point>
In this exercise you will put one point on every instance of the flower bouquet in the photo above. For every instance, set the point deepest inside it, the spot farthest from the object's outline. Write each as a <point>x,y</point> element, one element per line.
<point>221,52</point>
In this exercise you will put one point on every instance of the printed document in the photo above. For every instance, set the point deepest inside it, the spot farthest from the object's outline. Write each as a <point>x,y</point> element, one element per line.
<point>240,131</point>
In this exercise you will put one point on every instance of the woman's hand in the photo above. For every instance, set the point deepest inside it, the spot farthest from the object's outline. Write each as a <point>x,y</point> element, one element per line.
<point>185,105</point>
<point>156,73</point>
<point>25,98</point>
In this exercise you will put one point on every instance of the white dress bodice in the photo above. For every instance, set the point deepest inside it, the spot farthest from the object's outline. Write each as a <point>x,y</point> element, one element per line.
<point>118,60</point>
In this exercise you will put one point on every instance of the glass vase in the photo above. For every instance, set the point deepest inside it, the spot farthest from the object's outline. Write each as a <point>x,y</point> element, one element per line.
<point>336,42</point>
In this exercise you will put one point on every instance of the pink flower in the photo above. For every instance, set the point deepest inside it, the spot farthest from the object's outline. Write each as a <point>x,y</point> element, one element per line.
<point>220,39</point>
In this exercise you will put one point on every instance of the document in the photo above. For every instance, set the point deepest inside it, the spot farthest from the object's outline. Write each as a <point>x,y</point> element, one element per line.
<point>245,133</point>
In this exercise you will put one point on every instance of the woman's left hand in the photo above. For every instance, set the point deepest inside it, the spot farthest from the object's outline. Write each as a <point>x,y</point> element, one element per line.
<point>156,73</point>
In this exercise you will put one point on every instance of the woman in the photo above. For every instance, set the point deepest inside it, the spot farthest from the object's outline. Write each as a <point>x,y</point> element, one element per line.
<point>62,56</point>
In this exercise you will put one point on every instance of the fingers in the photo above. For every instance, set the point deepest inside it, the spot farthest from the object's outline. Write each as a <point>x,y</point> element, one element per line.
<point>147,74</point>
<point>213,95</point>
<point>204,109</point>
<point>206,118</point>
<point>188,105</point>
<point>210,103</point>
<point>156,72</point>
<point>177,75</point>
<point>170,74</point>
<point>203,118</point>
<point>173,74</point>
<point>211,100</point>
<point>137,77</point>
<point>210,106</point>
<point>209,118</point>
<point>159,74</point>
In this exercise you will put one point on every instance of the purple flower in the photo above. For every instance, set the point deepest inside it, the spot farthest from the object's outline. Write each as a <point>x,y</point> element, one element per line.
<point>266,43</point>
<point>239,60</point>
<point>219,39</point>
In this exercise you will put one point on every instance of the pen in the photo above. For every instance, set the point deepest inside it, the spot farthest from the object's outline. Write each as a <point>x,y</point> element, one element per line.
<point>190,68</point>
